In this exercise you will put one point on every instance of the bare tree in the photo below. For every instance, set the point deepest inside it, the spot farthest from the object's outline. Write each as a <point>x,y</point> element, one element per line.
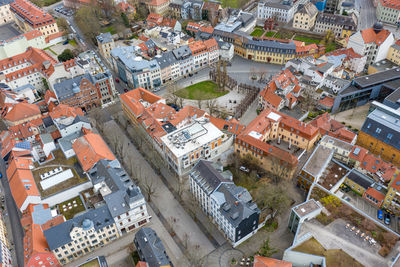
<point>199,103</point>
<point>180,187</point>
<point>180,102</point>
<point>280,170</point>
<point>211,105</point>
<point>150,188</point>
<point>272,197</point>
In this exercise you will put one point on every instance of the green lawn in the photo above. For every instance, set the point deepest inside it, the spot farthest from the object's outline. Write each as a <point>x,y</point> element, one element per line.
<point>201,91</point>
<point>45,2</point>
<point>231,3</point>
<point>257,32</point>
<point>330,47</point>
<point>109,29</point>
<point>306,39</point>
<point>72,42</point>
<point>269,34</point>
<point>69,213</point>
<point>283,35</point>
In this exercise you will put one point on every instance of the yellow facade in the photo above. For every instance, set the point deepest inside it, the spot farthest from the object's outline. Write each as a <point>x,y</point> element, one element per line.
<point>46,30</point>
<point>394,54</point>
<point>3,232</point>
<point>105,49</point>
<point>354,186</point>
<point>303,21</point>
<point>346,33</point>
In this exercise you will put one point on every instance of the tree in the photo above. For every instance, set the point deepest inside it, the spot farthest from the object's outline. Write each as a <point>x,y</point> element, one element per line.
<point>141,11</point>
<point>199,103</point>
<point>272,197</point>
<point>266,250</point>
<point>107,6</point>
<point>308,101</point>
<point>125,19</point>
<point>211,105</point>
<point>171,97</point>
<point>149,186</point>
<point>65,55</point>
<point>280,170</point>
<point>63,25</point>
<point>87,19</point>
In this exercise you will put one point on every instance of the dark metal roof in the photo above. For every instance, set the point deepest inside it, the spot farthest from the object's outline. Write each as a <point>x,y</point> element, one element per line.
<point>360,179</point>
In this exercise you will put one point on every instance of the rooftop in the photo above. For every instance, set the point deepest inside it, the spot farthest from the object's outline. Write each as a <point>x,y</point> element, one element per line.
<point>191,137</point>
<point>318,161</point>
<point>306,208</point>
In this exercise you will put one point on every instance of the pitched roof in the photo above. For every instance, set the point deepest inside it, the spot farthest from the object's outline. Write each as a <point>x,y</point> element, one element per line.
<point>151,247</point>
<point>331,127</point>
<point>91,148</point>
<point>63,110</point>
<point>260,261</point>
<point>391,4</point>
<point>232,126</point>
<point>34,15</point>
<point>270,97</point>
<point>375,194</point>
<point>135,99</point>
<point>22,111</point>
<point>369,36</point>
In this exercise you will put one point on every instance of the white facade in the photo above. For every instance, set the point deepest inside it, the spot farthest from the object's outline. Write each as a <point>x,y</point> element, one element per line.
<point>374,52</point>
<point>226,51</point>
<point>6,15</point>
<point>6,259</point>
<point>200,60</point>
<point>282,12</point>
<point>18,45</point>
<point>67,127</point>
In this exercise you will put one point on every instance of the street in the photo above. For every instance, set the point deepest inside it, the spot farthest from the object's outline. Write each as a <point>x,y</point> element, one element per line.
<point>17,233</point>
<point>367,11</point>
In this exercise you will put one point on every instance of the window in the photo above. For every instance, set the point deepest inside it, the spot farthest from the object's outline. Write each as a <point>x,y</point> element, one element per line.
<point>378,130</point>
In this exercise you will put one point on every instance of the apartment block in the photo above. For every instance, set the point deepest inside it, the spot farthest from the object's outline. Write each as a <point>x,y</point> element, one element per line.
<point>6,15</point>
<point>30,17</point>
<point>387,11</point>
<point>123,198</point>
<point>105,43</point>
<point>230,206</point>
<point>340,26</point>
<point>82,234</point>
<point>305,18</point>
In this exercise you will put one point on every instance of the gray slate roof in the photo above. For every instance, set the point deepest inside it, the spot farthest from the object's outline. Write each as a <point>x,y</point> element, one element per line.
<point>238,204</point>
<point>104,38</point>
<point>166,59</point>
<point>207,176</point>
<point>59,235</point>
<point>124,191</point>
<point>67,88</point>
<point>151,247</point>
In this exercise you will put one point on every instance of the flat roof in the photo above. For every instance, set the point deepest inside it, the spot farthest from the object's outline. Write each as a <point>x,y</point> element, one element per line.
<point>329,140</point>
<point>379,77</point>
<point>318,161</point>
<point>306,208</point>
<point>189,138</point>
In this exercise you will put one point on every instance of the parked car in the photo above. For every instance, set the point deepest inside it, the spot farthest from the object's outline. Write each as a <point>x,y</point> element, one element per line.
<point>244,169</point>
<point>156,89</point>
<point>387,218</point>
<point>125,90</point>
<point>116,80</point>
<point>1,175</point>
<point>380,215</point>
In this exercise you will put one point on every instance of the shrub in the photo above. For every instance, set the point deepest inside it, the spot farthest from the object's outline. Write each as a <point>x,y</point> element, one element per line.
<point>384,251</point>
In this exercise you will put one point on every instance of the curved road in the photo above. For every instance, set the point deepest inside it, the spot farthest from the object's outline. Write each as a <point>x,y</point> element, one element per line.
<point>14,217</point>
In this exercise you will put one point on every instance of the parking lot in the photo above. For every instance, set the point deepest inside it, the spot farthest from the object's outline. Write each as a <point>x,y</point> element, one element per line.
<point>64,10</point>
<point>369,209</point>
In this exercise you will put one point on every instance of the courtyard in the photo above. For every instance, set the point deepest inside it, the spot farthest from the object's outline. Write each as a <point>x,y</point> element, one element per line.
<point>201,91</point>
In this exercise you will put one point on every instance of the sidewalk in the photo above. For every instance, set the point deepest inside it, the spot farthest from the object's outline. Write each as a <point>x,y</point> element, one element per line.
<point>181,223</point>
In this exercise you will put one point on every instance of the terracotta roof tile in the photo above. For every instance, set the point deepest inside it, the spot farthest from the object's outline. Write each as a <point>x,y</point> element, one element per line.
<point>91,148</point>
<point>370,36</point>
<point>260,261</point>
<point>22,111</point>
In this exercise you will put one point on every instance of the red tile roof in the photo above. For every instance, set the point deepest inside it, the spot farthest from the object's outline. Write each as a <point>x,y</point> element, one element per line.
<point>260,261</point>
<point>157,2</point>
<point>34,15</point>
<point>198,47</point>
<point>23,130</point>
<point>370,36</point>
<point>53,36</point>
<point>327,101</point>
<point>349,52</point>
<point>391,4</point>
<point>134,99</point>
<point>33,34</point>
<point>331,127</point>
<point>232,126</point>
<point>63,110</point>
<point>91,148</point>
<point>154,18</point>
<point>22,111</point>
<point>211,43</point>
<point>375,194</point>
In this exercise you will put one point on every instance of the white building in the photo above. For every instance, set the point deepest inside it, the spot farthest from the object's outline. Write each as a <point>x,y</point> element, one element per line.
<point>123,198</point>
<point>230,206</point>
<point>70,125</point>
<point>6,15</point>
<point>19,44</point>
<point>186,146</point>
<point>283,11</point>
<point>373,43</point>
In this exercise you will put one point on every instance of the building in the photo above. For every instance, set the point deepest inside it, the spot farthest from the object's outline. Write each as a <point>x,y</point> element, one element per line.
<point>187,145</point>
<point>91,148</point>
<point>134,70</point>
<point>361,90</point>
<point>30,67</point>
<point>175,8</point>
<point>282,91</point>
<point>282,11</point>
<point>260,261</point>
<point>302,212</point>
<point>392,198</point>
<point>192,9</point>
<point>341,26</point>
<point>328,126</point>
<point>21,113</point>
<point>170,67</point>
<point>6,15</point>
<point>71,125</point>
<point>123,198</point>
<point>394,53</point>
<point>35,219</point>
<point>22,184</point>
<point>20,43</point>
<point>305,18</point>
<point>30,17</point>
<point>358,181</point>
<point>388,11</point>
<point>342,149</point>
<point>230,206</point>
<point>151,249</point>
<point>372,42</point>
<point>86,91</point>
<point>200,54</point>
<point>105,43</point>
<point>82,234</point>
<point>185,58</point>
<point>5,254</point>
<point>212,49</point>
<point>380,133</point>
<point>158,6</point>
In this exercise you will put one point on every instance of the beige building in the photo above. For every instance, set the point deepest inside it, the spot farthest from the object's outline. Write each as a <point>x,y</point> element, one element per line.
<point>82,234</point>
<point>394,53</point>
<point>158,6</point>
<point>30,17</point>
<point>305,18</point>
<point>105,42</point>
<point>6,15</point>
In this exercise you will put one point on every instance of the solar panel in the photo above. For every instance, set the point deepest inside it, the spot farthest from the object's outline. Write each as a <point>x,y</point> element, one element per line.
<point>356,151</point>
<point>24,145</point>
